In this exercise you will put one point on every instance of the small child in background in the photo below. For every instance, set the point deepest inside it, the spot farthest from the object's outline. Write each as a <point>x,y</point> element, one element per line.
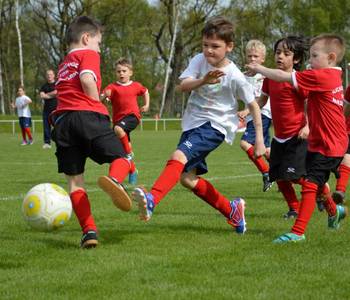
<point>344,168</point>
<point>256,52</point>
<point>24,115</point>
<point>126,113</point>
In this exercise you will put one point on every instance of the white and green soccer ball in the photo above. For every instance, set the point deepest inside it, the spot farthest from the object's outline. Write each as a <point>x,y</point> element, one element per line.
<point>46,207</point>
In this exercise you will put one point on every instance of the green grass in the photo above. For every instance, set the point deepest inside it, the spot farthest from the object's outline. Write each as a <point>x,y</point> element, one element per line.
<point>186,251</point>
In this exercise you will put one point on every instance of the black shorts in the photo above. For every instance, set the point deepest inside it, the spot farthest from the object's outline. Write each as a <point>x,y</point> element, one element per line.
<point>319,167</point>
<point>287,160</point>
<point>82,134</point>
<point>128,123</point>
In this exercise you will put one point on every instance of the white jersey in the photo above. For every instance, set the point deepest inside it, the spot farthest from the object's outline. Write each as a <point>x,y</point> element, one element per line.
<point>257,82</point>
<point>22,105</point>
<point>216,103</point>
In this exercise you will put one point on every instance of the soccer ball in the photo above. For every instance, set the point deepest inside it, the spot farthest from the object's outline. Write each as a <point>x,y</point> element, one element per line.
<point>46,207</point>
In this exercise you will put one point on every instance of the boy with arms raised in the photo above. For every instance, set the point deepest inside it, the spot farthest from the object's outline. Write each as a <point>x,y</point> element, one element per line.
<point>210,118</point>
<point>82,127</point>
<point>327,141</point>
<point>125,110</point>
<point>256,52</point>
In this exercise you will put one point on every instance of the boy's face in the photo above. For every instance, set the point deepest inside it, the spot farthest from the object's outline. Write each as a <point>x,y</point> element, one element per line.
<point>93,42</point>
<point>319,57</point>
<point>284,58</point>
<point>255,55</point>
<point>20,92</point>
<point>123,73</point>
<point>50,76</point>
<point>215,49</point>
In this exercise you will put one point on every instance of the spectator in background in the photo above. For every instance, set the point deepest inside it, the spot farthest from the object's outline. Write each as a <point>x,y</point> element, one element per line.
<point>48,96</point>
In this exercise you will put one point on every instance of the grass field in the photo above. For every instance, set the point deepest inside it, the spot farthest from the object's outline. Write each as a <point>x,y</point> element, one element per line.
<point>186,251</point>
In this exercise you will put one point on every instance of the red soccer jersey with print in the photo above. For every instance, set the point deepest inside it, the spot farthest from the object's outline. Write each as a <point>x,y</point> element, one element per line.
<point>347,99</point>
<point>70,93</point>
<point>328,134</point>
<point>124,99</point>
<point>287,108</point>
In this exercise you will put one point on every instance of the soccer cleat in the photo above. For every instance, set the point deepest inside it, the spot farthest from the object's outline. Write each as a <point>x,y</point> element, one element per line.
<point>320,204</point>
<point>24,143</point>
<point>290,214</point>
<point>130,156</point>
<point>89,240</point>
<point>116,191</point>
<point>338,197</point>
<point>237,219</point>
<point>266,182</point>
<point>31,142</point>
<point>145,203</point>
<point>334,221</point>
<point>46,146</point>
<point>133,177</point>
<point>288,238</point>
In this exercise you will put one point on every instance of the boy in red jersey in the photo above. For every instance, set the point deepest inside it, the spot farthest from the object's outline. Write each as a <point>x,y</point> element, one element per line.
<point>344,168</point>
<point>209,119</point>
<point>125,110</point>
<point>82,127</point>
<point>327,141</point>
<point>289,146</point>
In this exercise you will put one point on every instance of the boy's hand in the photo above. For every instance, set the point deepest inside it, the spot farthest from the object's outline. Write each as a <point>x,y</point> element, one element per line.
<point>304,132</point>
<point>144,108</point>
<point>242,114</point>
<point>108,93</point>
<point>252,69</point>
<point>213,77</point>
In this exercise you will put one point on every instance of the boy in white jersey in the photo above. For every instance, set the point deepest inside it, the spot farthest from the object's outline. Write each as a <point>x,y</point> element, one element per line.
<point>210,118</point>
<point>256,52</point>
<point>24,115</point>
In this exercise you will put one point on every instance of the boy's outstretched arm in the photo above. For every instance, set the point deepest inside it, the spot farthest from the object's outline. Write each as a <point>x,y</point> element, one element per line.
<point>212,77</point>
<point>259,147</point>
<point>146,100</point>
<point>89,86</point>
<point>274,74</point>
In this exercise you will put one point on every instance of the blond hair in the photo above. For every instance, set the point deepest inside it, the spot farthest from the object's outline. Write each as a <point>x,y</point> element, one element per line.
<point>123,62</point>
<point>257,45</point>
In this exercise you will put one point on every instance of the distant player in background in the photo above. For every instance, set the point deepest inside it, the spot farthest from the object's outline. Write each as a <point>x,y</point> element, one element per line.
<point>328,139</point>
<point>24,115</point>
<point>344,168</point>
<point>48,95</point>
<point>82,126</point>
<point>210,118</point>
<point>125,110</point>
<point>255,51</point>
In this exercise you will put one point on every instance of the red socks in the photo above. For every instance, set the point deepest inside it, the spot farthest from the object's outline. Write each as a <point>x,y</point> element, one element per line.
<point>287,189</point>
<point>342,182</point>
<point>126,144</point>
<point>29,134</point>
<point>119,169</point>
<point>328,202</point>
<point>209,194</point>
<point>307,206</point>
<point>81,207</point>
<point>167,180</point>
<point>259,162</point>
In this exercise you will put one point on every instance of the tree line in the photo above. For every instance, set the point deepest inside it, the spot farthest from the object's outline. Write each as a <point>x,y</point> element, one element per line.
<point>159,37</point>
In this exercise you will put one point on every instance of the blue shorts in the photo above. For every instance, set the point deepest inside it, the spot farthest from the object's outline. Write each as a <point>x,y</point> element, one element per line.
<point>197,143</point>
<point>25,122</point>
<point>249,134</point>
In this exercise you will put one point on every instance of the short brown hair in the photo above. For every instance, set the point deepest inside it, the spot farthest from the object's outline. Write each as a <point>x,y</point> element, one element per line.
<point>123,62</point>
<point>219,27</point>
<point>81,25</point>
<point>333,43</point>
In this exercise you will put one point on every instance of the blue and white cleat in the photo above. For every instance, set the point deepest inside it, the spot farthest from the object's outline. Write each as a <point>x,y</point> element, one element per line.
<point>289,238</point>
<point>133,177</point>
<point>237,219</point>
<point>334,221</point>
<point>145,203</point>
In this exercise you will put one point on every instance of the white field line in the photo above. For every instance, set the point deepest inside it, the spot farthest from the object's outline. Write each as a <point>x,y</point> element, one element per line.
<point>21,196</point>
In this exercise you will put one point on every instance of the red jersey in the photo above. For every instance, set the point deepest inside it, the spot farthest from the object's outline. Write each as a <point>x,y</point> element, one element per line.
<point>124,99</point>
<point>325,110</point>
<point>287,108</point>
<point>70,93</point>
<point>347,99</point>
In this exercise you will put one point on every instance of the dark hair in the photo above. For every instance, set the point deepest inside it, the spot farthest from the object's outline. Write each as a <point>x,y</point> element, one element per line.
<point>123,62</point>
<point>81,25</point>
<point>333,43</point>
<point>296,44</point>
<point>219,27</point>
